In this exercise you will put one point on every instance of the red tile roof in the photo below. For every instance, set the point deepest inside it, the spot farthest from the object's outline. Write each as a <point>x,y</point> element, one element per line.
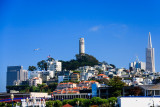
<point>67,105</point>
<point>101,75</point>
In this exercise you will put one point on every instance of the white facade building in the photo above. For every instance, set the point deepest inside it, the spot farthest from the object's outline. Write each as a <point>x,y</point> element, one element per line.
<point>54,66</point>
<point>35,81</point>
<point>137,65</point>
<point>45,75</point>
<point>137,80</point>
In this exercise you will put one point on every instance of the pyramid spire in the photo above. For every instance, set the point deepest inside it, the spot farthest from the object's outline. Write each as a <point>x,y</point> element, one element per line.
<point>149,41</point>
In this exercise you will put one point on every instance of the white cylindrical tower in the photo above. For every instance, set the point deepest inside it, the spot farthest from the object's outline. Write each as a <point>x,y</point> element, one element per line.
<point>81,46</point>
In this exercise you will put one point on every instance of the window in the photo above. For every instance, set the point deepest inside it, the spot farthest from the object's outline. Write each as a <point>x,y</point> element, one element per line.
<point>157,92</point>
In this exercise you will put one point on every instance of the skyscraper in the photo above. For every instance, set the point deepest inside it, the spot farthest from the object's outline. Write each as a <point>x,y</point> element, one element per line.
<point>15,75</point>
<point>81,46</point>
<point>150,61</point>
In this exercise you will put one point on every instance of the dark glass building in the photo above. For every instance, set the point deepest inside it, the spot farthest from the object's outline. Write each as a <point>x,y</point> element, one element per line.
<point>15,75</point>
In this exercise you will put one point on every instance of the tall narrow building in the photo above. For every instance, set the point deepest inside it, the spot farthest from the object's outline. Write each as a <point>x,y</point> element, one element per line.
<point>81,47</point>
<point>150,61</point>
<point>15,75</point>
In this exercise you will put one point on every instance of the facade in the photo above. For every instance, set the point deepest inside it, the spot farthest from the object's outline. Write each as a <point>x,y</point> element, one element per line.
<point>54,66</point>
<point>102,76</point>
<point>35,81</point>
<point>151,90</point>
<point>45,75</point>
<point>60,79</point>
<point>87,83</point>
<point>75,77</point>
<point>33,102</point>
<point>87,72</point>
<point>138,65</point>
<point>81,46</point>
<point>66,85</point>
<point>15,75</point>
<point>5,97</point>
<point>150,61</point>
<point>71,96</point>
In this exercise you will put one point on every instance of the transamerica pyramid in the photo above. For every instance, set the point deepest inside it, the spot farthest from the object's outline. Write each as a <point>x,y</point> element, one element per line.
<point>150,59</point>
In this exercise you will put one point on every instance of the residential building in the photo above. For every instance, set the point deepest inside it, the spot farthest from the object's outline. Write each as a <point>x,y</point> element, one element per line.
<point>60,79</point>
<point>55,66</point>
<point>66,85</point>
<point>75,77</point>
<point>87,83</point>
<point>44,75</point>
<point>137,66</point>
<point>35,81</point>
<point>15,75</point>
<point>102,76</point>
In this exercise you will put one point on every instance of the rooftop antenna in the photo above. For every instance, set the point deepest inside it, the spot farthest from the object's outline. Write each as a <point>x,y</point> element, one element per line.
<point>137,59</point>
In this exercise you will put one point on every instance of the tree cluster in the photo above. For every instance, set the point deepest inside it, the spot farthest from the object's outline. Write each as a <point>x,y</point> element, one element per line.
<point>40,88</point>
<point>117,86</point>
<point>3,104</point>
<point>85,60</point>
<point>73,64</point>
<point>84,102</point>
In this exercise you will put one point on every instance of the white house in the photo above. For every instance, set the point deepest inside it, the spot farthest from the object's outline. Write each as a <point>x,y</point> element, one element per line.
<point>54,66</point>
<point>35,81</point>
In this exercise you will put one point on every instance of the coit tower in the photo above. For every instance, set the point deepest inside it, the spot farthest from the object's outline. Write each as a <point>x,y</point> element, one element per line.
<point>81,47</point>
<point>150,61</point>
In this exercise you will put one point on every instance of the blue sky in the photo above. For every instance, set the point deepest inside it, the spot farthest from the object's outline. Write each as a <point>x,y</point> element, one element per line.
<point>115,31</point>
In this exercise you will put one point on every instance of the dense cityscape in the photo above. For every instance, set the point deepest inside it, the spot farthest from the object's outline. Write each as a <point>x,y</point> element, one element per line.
<point>79,53</point>
<point>83,82</point>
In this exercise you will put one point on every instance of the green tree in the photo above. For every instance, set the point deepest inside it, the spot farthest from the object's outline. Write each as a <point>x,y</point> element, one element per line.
<point>117,86</point>
<point>2,104</point>
<point>103,81</point>
<point>86,60</point>
<point>65,102</point>
<point>34,89</point>
<point>86,103</point>
<point>32,68</point>
<point>58,103</point>
<point>112,101</point>
<point>96,101</point>
<point>42,65</point>
<point>49,103</point>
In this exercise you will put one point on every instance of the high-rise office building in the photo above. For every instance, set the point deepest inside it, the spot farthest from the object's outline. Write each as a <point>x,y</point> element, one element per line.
<point>15,75</point>
<point>150,61</point>
<point>81,46</point>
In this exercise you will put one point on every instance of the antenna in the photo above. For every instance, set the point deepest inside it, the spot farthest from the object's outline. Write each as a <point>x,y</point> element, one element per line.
<point>137,59</point>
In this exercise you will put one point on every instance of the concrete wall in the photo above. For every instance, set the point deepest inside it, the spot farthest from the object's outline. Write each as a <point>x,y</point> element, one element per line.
<point>139,101</point>
<point>41,95</point>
